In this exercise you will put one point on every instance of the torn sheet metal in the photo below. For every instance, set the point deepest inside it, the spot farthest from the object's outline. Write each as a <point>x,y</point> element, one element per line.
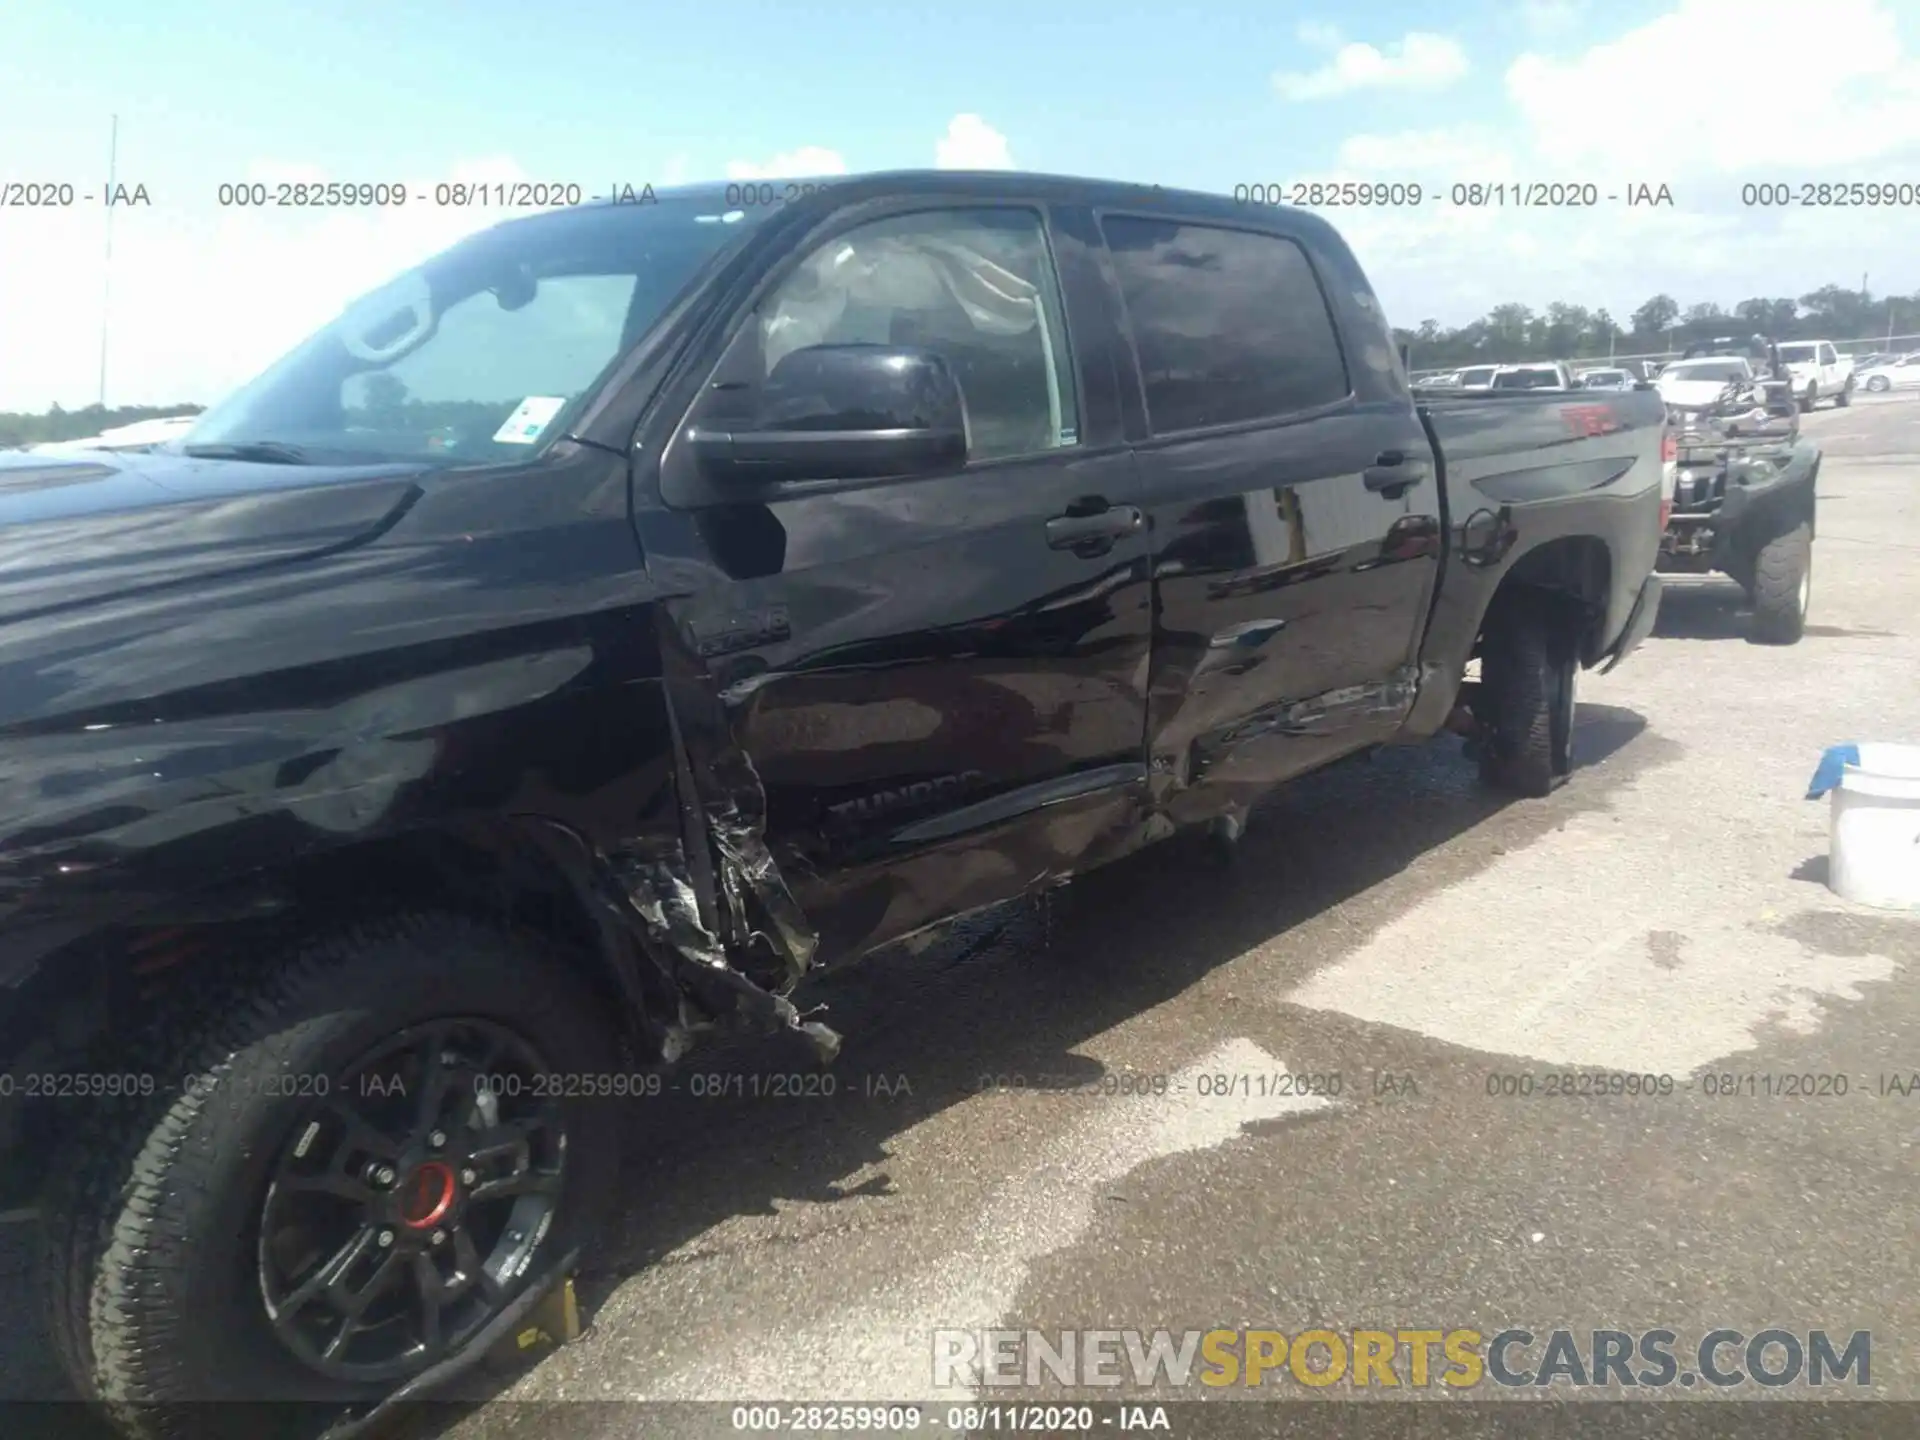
<point>737,939</point>
<point>657,882</point>
<point>737,824</point>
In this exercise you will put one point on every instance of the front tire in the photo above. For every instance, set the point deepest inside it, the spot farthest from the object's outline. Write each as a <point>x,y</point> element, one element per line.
<point>1527,699</point>
<point>1783,587</point>
<point>1810,399</point>
<point>1879,384</point>
<point>260,1167</point>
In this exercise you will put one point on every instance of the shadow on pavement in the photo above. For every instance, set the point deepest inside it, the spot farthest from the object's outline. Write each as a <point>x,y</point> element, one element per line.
<point>1717,610</point>
<point>1813,870</point>
<point>1703,610</point>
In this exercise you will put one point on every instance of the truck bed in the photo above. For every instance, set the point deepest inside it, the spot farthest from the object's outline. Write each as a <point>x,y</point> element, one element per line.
<point>1541,473</point>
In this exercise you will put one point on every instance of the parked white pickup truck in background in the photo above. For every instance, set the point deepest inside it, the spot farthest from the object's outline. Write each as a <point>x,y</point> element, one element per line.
<point>1551,375</point>
<point>1609,378</point>
<point>1694,383</point>
<point>1819,372</point>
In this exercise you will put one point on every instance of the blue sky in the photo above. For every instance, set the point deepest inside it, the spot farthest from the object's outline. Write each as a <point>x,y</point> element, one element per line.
<point>1203,96</point>
<point>578,88</point>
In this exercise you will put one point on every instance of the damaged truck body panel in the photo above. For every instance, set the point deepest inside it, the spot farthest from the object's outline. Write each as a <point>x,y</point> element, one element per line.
<point>732,595</point>
<point>193,736</point>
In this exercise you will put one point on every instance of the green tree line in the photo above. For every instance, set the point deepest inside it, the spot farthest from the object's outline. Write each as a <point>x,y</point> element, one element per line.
<point>1573,332</point>
<point>56,424</point>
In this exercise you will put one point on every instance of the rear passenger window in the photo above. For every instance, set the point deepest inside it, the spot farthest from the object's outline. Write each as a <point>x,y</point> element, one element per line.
<point>1229,325</point>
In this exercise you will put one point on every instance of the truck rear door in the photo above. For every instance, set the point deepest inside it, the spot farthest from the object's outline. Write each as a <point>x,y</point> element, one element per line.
<point>1293,496</point>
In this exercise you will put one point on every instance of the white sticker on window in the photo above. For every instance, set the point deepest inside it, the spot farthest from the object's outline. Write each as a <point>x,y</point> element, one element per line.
<point>533,415</point>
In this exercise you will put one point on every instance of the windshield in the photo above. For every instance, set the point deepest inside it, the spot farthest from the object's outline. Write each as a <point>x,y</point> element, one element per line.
<point>1720,370</point>
<point>486,350</point>
<point>1795,354</point>
<point>1476,377</point>
<point>1604,377</point>
<point>1538,379</point>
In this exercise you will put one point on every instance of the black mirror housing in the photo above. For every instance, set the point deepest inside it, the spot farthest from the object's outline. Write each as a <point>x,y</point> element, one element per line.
<point>845,412</point>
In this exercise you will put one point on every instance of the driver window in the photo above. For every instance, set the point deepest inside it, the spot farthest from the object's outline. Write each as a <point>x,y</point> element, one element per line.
<point>974,286</point>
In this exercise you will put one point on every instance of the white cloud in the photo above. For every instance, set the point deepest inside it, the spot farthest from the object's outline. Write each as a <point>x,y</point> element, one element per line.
<point>1418,60</point>
<point>1849,93</point>
<point>1854,115</point>
<point>971,144</point>
<point>792,165</point>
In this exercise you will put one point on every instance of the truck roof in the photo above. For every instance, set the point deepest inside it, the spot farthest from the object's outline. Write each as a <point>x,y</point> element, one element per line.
<point>833,191</point>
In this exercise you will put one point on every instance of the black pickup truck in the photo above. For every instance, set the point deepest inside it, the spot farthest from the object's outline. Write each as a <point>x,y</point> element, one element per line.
<point>641,605</point>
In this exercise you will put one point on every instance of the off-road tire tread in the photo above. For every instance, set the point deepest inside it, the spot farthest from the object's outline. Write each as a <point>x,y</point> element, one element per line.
<point>112,1212</point>
<point>1777,571</point>
<point>1516,696</point>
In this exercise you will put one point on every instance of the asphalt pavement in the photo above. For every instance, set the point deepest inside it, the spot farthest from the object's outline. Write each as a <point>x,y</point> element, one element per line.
<point>1316,1089</point>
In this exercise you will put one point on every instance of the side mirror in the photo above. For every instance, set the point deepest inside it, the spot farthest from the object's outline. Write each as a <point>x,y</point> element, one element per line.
<point>844,412</point>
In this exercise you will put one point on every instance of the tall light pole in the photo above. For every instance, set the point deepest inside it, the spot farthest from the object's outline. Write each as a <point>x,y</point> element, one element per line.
<point>106,290</point>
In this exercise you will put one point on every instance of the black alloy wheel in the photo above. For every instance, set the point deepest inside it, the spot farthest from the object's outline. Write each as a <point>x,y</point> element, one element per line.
<point>410,1199</point>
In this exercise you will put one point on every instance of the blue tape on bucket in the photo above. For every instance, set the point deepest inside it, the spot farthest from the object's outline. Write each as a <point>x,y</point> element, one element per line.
<point>1833,766</point>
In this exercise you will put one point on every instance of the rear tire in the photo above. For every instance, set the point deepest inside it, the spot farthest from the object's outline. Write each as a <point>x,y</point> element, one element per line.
<point>1783,587</point>
<point>154,1259</point>
<point>1845,397</point>
<point>1527,698</point>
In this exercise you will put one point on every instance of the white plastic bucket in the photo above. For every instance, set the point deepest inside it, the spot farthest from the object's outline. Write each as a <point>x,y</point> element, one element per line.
<point>1874,851</point>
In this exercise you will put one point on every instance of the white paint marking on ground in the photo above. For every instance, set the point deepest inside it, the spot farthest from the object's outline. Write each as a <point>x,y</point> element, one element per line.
<point>883,1349</point>
<point>1508,961</point>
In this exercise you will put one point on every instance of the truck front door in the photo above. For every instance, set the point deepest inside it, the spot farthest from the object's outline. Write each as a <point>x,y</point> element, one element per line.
<point>940,681</point>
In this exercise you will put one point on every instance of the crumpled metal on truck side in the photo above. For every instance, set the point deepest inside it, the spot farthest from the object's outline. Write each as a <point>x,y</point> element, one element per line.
<point>718,905</point>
